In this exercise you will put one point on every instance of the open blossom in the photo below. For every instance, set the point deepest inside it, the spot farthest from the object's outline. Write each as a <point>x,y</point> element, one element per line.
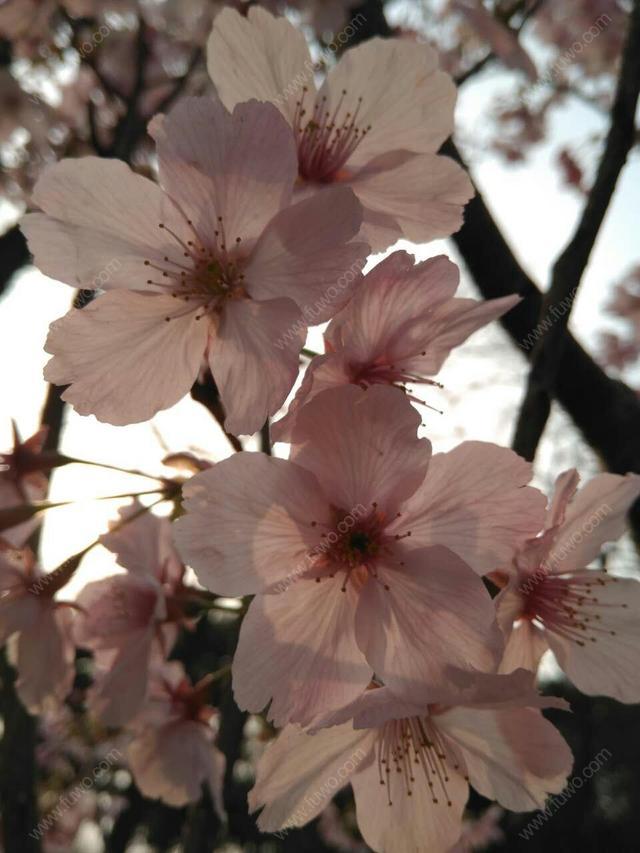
<point>375,124</point>
<point>214,263</point>
<point>22,481</point>
<point>410,762</point>
<point>173,751</point>
<point>399,327</point>
<point>128,619</point>
<point>587,617</point>
<point>39,626</point>
<point>358,550</point>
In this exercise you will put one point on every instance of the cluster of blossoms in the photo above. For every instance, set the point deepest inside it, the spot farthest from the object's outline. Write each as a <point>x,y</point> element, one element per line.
<point>371,638</point>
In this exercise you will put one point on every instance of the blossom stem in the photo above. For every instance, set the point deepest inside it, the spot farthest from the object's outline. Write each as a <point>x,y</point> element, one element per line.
<point>107,465</point>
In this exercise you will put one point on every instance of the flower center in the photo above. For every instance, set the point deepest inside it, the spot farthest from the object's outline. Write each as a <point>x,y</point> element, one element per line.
<point>326,141</point>
<point>353,543</point>
<point>382,372</point>
<point>567,605</point>
<point>410,751</point>
<point>207,275</point>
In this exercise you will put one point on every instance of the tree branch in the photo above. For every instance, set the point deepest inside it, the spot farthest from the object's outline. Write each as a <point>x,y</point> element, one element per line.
<point>131,126</point>
<point>13,255</point>
<point>582,387</point>
<point>17,767</point>
<point>207,393</point>
<point>570,266</point>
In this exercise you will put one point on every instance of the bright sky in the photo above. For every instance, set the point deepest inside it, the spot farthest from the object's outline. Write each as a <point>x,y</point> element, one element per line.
<point>483,379</point>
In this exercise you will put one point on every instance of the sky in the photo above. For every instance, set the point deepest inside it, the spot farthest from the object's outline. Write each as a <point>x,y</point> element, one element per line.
<point>483,380</point>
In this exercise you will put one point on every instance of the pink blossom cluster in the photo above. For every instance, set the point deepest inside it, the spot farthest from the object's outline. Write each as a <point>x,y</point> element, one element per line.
<point>370,638</point>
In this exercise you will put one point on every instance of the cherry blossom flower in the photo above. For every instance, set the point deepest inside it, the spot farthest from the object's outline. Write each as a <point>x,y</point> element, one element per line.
<point>22,481</point>
<point>172,753</point>
<point>214,264</point>
<point>587,617</point>
<point>39,628</point>
<point>375,124</point>
<point>410,763</point>
<point>399,327</point>
<point>130,619</point>
<point>358,550</point>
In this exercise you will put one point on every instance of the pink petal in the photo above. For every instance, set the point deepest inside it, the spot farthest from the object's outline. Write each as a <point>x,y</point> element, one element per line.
<point>362,446</point>
<point>101,224</point>
<point>171,763</point>
<point>495,691</point>
<point>451,324</point>
<point>513,756</point>
<point>405,315</point>
<point>389,314</point>
<point>377,706</point>
<point>474,501</point>
<point>323,372</point>
<point>240,167</point>
<point>598,514</point>
<point>215,780</point>
<point>143,545</point>
<point>258,56</point>
<point>305,254</point>
<point>122,360</point>
<point>406,100</point>
<point>424,194</point>
<point>525,643</point>
<point>118,693</point>
<point>371,710</point>
<point>412,823</point>
<point>524,647</point>
<point>254,358</point>
<point>116,607</point>
<point>46,658</point>
<point>17,612</point>
<point>606,661</point>
<point>435,613</point>
<point>563,493</point>
<point>298,650</point>
<point>247,523</point>
<point>299,773</point>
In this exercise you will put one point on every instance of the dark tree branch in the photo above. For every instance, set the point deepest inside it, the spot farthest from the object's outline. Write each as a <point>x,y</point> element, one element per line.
<point>17,768</point>
<point>52,415</point>
<point>131,127</point>
<point>375,23</point>
<point>13,255</point>
<point>93,130</point>
<point>570,266</point>
<point>265,439</point>
<point>582,387</point>
<point>207,394</point>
